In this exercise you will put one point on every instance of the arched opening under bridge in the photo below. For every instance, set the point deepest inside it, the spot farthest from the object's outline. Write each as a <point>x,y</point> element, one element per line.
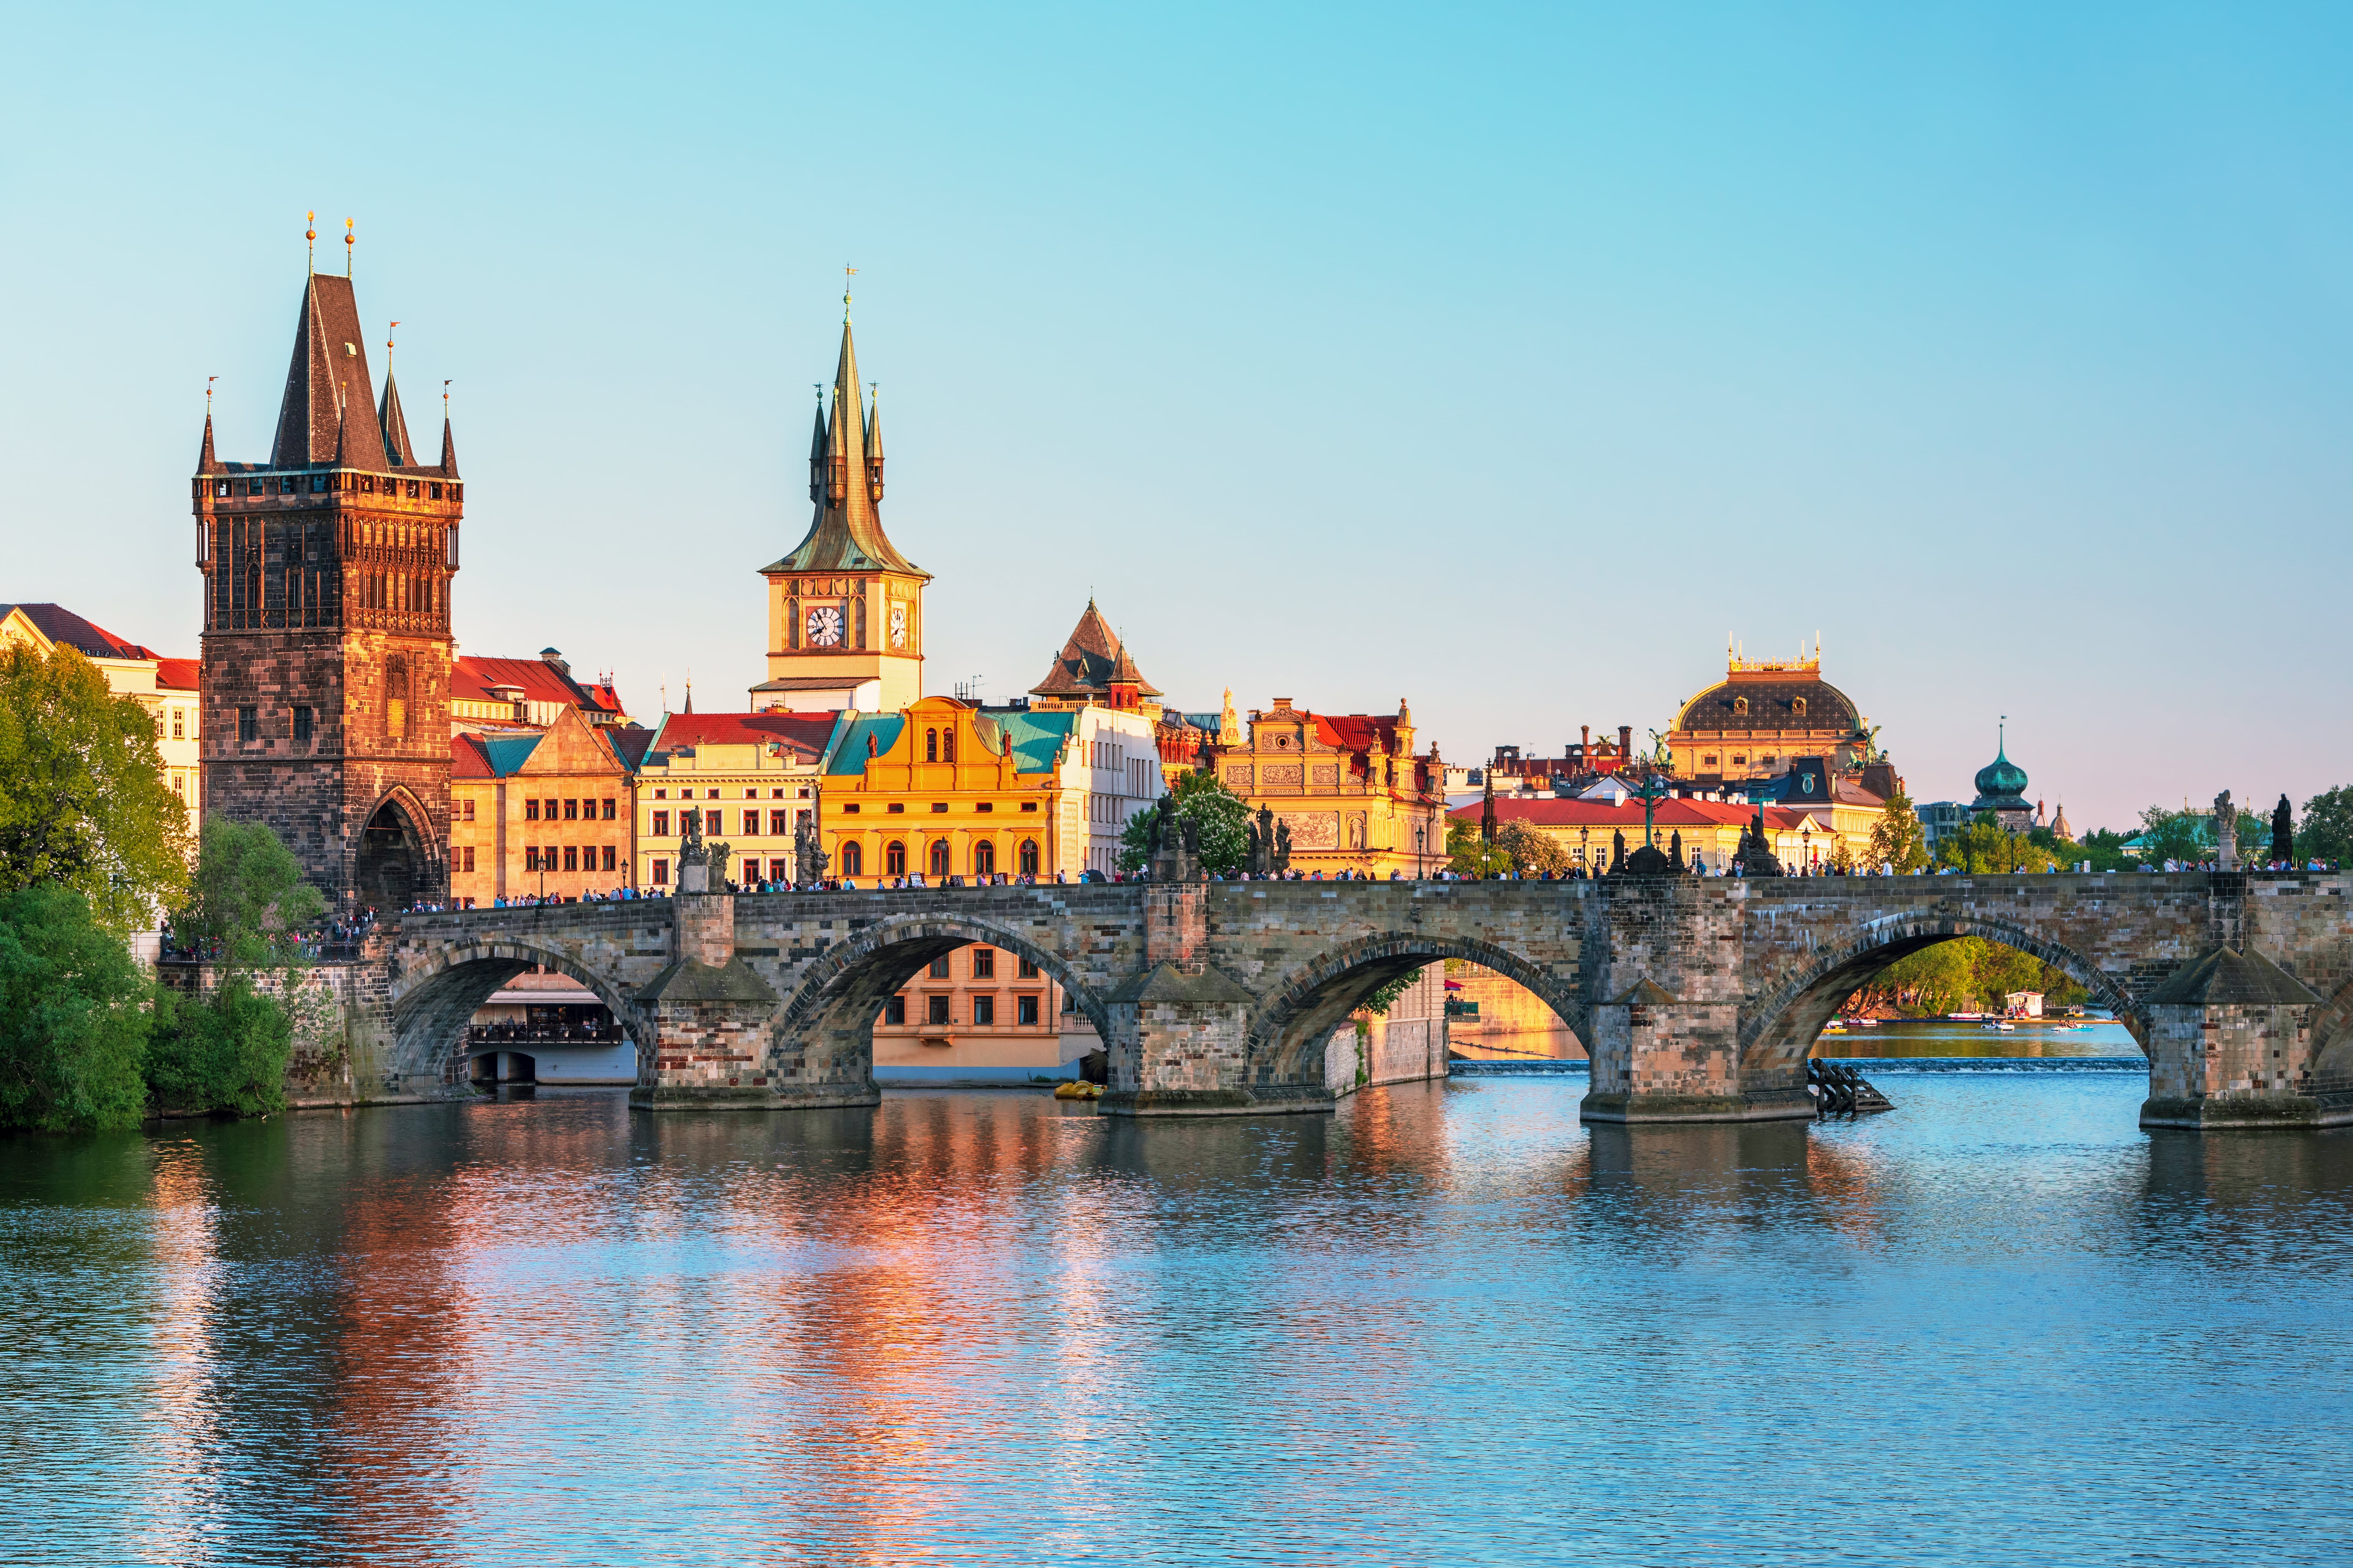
<point>936,1001</point>
<point>1319,1029</point>
<point>551,1020</point>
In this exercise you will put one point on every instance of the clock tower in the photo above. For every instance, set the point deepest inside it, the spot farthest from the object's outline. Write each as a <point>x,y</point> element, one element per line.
<point>845,608</point>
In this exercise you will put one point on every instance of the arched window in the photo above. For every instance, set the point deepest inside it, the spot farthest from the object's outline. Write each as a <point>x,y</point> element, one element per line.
<point>396,700</point>
<point>895,858</point>
<point>948,749</point>
<point>1029,857</point>
<point>940,858</point>
<point>1740,705</point>
<point>931,746</point>
<point>854,859</point>
<point>984,859</point>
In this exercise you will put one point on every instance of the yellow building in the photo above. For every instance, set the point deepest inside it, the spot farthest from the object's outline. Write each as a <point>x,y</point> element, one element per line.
<point>845,608</point>
<point>947,789</point>
<point>752,778</point>
<point>166,688</point>
<point>1761,717</point>
<point>1348,786</point>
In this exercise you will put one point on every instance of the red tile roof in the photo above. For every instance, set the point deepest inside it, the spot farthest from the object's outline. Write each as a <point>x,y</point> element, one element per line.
<point>179,674</point>
<point>60,625</point>
<point>471,680</point>
<point>467,760</point>
<point>805,733</point>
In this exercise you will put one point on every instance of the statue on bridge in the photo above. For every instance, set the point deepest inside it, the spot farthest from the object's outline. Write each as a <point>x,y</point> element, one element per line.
<point>2226,833</point>
<point>2283,835</point>
<point>693,870</point>
<point>1269,844</point>
<point>1757,856</point>
<point>808,861</point>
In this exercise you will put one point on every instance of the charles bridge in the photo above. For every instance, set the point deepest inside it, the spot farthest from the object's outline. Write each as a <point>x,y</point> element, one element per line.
<point>1698,999</point>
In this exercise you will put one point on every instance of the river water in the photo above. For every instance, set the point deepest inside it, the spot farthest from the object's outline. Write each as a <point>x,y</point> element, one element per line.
<point>1448,1325</point>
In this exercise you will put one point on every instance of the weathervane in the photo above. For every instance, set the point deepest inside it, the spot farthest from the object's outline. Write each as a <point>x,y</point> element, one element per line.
<point>310,242</point>
<point>847,274</point>
<point>348,243</point>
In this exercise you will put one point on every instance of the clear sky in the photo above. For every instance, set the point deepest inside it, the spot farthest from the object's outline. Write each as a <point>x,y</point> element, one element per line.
<point>1503,359</point>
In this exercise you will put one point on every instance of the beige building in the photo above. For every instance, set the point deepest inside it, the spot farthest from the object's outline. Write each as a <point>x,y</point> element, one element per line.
<point>542,815</point>
<point>1761,717</point>
<point>752,777</point>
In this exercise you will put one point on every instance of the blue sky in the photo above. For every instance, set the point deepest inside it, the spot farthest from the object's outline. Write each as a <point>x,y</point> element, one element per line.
<point>1506,360</point>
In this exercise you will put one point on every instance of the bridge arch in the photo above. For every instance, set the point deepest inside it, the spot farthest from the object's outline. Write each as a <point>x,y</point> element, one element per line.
<point>430,1008</point>
<point>1777,1029</point>
<point>1310,1000</point>
<point>825,1033</point>
<point>2332,1042</point>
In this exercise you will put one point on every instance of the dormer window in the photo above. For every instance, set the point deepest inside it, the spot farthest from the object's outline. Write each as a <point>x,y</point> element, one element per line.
<point>1798,706</point>
<point>1740,706</point>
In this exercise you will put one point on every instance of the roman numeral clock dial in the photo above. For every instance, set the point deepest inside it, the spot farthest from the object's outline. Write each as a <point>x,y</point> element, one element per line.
<point>824,627</point>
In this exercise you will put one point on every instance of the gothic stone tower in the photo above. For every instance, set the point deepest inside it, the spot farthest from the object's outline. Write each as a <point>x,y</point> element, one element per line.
<point>326,640</point>
<point>845,608</point>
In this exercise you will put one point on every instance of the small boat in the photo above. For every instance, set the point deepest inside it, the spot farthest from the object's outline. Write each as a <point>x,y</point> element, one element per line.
<point>1859,1023</point>
<point>1833,1028</point>
<point>2004,1024</point>
<point>1969,1017</point>
<point>1078,1089</point>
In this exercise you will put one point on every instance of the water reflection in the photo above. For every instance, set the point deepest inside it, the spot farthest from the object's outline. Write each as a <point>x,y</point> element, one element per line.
<point>1449,1324</point>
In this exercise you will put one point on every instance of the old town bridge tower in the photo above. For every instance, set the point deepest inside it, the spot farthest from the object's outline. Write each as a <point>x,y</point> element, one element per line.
<point>326,640</point>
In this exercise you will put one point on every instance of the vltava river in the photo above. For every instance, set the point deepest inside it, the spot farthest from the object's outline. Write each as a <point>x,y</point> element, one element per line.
<point>1448,1325</point>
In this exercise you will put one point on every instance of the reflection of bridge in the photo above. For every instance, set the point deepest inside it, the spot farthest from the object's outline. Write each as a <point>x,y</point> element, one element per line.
<point>1697,999</point>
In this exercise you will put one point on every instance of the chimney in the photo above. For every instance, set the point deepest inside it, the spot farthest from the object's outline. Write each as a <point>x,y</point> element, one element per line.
<point>1585,740</point>
<point>1625,743</point>
<point>555,659</point>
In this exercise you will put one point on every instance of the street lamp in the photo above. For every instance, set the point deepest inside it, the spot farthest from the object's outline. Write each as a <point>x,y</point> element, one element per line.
<point>1584,836</point>
<point>1806,845</point>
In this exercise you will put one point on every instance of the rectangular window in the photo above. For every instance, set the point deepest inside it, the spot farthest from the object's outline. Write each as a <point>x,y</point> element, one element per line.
<point>531,858</point>
<point>851,809</point>
<point>894,1011</point>
<point>935,1009</point>
<point>986,806</point>
<point>179,722</point>
<point>468,805</point>
<point>984,964</point>
<point>611,864</point>
<point>571,811</point>
<point>531,810</point>
<point>662,794</point>
<point>1028,805</point>
<point>984,1010</point>
<point>661,824</point>
<point>939,805</point>
<point>303,725</point>
<point>940,967</point>
<point>751,825</point>
<point>897,808</point>
<point>1025,1009</point>
<point>779,823</point>
<point>1029,970</point>
<point>609,806</point>
<point>571,857</point>
<point>661,873</point>
<point>1068,1004</point>
<point>248,725</point>
<point>469,852</point>
<point>711,823</point>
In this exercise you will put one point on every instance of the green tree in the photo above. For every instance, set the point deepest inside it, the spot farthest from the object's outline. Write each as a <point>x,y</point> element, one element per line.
<point>1531,850</point>
<point>82,798</point>
<point>1985,846</point>
<point>2326,831</point>
<point>1218,817</point>
<point>73,1023</point>
<point>226,1052</point>
<point>1897,843</point>
<point>2173,836</point>
<point>1471,856</point>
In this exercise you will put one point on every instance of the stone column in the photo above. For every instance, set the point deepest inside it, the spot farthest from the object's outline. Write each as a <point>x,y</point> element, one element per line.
<point>1180,1029</point>
<point>2230,1045</point>
<point>712,1020</point>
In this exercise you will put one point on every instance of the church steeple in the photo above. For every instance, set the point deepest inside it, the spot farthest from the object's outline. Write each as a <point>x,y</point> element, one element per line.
<point>846,487</point>
<point>449,450</point>
<point>392,426</point>
<point>327,376</point>
<point>206,462</point>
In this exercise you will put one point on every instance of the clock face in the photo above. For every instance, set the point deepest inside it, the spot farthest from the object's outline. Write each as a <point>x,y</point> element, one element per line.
<point>824,627</point>
<point>898,626</point>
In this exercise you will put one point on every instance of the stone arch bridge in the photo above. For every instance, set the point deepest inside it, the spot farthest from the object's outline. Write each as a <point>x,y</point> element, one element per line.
<point>1698,999</point>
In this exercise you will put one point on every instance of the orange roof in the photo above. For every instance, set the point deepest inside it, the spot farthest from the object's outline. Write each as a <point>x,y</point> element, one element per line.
<point>179,674</point>
<point>472,680</point>
<point>467,760</point>
<point>804,732</point>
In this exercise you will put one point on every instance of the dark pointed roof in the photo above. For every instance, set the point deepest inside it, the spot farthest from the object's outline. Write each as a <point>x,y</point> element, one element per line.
<point>393,426</point>
<point>1089,661</point>
<point>328,375</point>
<point>448,451</point>
<point>2223,974</point>
<point>206,462</point>
<point>845,535</point>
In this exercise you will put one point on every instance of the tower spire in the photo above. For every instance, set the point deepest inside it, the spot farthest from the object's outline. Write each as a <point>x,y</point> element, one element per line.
<point>817,450</point>
<point>449,444</point>
<point>206,462</point>
<point>391,424</point>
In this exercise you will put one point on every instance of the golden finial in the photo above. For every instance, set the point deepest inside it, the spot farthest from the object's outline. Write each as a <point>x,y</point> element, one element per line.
<point>444,401</point>
<point>310,242</point>
<point>208,395</point>
<point>847,274</point>
<point>348,243</point>
<point>387,346</point>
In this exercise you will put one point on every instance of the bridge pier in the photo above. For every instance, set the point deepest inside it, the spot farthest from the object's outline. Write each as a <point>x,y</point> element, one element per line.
<point>2230,1047</point>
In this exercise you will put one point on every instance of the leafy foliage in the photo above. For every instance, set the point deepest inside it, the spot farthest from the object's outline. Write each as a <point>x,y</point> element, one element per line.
<point>1382,1001</point>
<point>1986,845</point>
<point>1963,975</point>
<point>2326,831</point>
<point>83,802</point>
<point>1471,856</point>
<point>249,901</point>
<point>223,1053</point>
<point>73,1027</point>
<point>2174,836</point>
<point>1897,842</point>
<point>1218,817</point>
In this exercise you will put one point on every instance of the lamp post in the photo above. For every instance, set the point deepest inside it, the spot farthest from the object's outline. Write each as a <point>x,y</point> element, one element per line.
<point>1806,846</point>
